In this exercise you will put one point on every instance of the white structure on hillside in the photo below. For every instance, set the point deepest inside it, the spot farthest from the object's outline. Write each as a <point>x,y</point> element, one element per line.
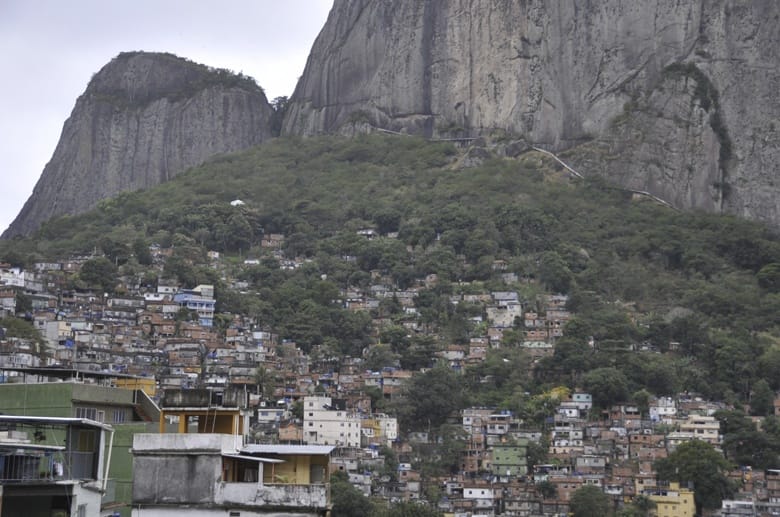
<point>695,427</point>
<point>664,410</point>
<point>201,300</point>
<point>325,424</point>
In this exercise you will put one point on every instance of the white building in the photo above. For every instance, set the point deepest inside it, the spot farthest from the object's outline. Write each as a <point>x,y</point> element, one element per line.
<point>695,427</point>
<point>503,316</point>
<point>567,435</point>
<point>324,425</point>
<point>584,401</point>
<point>388,425</point>
<point>663,410</point>
<point>482,496</point>
<point>705,428</point>
<point>12,276</point>
<point>569,409</point>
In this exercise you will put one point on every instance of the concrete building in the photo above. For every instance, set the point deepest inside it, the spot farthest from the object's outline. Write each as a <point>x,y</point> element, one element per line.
<point>216,475</point>
<point>509,460</point>
<point>504,316</point>
<point>326,423</point>
<point>128,411</point>
<point>475,419</point>
<point>200,300</point>
<point>480,499</point>
<point>379,429</point>
<point>584,401</point>
<point>705,428</point>
<point>53,466</point>
<point>567,435</point>
<point>672,501</point>
<point>205,411</point>
<point>695,427</point>
<point>664,410</point>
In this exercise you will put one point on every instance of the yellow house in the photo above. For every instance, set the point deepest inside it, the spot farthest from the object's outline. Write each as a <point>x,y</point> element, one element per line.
<point>292,464</point>
<point>672,501</point>
<point>371,430</point>
<point>146,384</point>
<point>380,429</point>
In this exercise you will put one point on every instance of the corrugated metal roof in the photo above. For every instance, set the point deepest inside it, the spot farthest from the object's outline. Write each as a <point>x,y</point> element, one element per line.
<point>262,448</point>
<point>254,458</point>
<point>49,420</point>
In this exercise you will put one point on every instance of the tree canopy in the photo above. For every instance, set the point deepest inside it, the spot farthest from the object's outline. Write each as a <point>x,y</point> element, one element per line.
<point>697,464</point>
<point>429,398</point>
<point>638,275</point>
<point>589,501</point>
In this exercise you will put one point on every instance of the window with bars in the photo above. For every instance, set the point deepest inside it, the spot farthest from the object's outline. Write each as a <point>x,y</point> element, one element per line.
<point>86,412</point>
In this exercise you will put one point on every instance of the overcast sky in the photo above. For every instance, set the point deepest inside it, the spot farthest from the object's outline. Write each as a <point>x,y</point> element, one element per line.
<point>49,50</point>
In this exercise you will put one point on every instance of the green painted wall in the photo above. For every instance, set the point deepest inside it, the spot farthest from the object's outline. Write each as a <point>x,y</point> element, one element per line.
<point>509,459</point>
<point>101,394</point>
<point>54,399</point>
<point>59,399</point>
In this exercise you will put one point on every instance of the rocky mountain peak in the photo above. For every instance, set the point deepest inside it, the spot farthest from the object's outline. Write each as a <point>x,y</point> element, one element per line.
<point>144,118</point>
<point>677,98</point>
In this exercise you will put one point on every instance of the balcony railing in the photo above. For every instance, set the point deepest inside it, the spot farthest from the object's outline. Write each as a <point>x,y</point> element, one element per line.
<point>21,468</point>
<point>26,466</point>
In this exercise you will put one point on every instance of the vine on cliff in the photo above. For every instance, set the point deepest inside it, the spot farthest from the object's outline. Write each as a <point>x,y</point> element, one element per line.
<point>707,96</point>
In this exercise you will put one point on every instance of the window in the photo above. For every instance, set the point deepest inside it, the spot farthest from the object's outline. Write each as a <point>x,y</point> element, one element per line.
<point>82,510</point>
<point>86,412</point>
<point>119,416</point>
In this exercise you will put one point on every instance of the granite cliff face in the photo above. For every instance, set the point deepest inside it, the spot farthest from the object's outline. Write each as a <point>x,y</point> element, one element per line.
<point>144,118</point>
<point>676,97</point>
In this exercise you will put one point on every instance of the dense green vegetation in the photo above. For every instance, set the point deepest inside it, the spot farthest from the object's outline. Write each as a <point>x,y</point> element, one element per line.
<point>697,463</point>
<point>589,501</point>
<point>348,501</point>
<point>703,290</point>
<point>19,328</point>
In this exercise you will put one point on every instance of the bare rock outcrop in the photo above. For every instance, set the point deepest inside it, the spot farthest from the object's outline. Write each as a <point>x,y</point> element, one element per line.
<point>143,119</point>
<point>677,97</point>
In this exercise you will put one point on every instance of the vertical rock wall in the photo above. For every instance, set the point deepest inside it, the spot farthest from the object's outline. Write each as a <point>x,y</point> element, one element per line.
<point>677,97</point>
<point>143,119</point>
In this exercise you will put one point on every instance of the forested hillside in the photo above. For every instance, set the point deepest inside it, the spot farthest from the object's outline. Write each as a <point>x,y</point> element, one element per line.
<point>665,301</point>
